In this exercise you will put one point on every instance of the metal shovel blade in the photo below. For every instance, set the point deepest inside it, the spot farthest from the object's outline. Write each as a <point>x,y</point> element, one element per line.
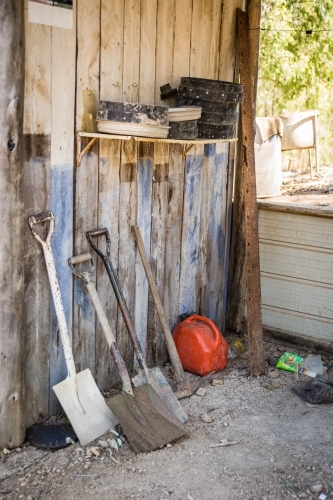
<point>85,407</point>
<point>146,420</point>
<point>163,389</point>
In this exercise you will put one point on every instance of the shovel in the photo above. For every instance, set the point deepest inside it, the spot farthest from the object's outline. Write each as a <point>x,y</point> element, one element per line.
<point>79,395</point>
<point>184,386</point>
<point>146,420</point>
<point>153,376</point>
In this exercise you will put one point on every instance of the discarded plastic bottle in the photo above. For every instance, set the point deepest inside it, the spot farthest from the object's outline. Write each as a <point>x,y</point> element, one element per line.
<point>235,349</point>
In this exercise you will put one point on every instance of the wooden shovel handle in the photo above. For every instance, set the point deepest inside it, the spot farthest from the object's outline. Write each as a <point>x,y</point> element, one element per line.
<point>174,357</point>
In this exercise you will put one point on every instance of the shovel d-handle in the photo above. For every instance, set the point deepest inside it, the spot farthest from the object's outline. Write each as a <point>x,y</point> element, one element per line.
<point>80,259</point>
<point>119,294</point>
<point>54,284</point>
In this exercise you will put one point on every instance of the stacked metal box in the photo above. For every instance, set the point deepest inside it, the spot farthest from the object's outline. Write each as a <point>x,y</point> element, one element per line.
<point>219,102</point>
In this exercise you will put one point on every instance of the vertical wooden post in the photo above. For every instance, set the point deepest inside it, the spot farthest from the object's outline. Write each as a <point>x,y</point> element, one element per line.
<point>252,261</point>
<point>236,280</point>
<point>12,427</point>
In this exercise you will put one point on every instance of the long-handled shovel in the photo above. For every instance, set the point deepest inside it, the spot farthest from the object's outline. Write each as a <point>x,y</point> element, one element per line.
<point>184,386</point>
<point>147,421</point>
<point>78,394</point>
<point>153,376</point>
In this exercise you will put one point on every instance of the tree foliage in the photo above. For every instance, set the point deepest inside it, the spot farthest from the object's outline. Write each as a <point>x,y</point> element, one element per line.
<point>295,68</point>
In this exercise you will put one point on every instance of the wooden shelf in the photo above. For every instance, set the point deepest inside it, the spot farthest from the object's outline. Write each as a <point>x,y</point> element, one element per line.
<point>98,135</point>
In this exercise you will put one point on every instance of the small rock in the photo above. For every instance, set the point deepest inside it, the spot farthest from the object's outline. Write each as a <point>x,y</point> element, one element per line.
<point>217,382</point>
<point>87,466</point>
<point>89,454</point>
<point>270,385</point>
<point>103,444</point>
<point>273,374</point>
<point>272,360</point>
<point>302,495</point>
<point>5,451</point>
<point>113,444</point>
<point>322,496</point>
<point>18,450</point>
<point>95,451</point>
<point>206,418</point>
<point>201,391</point>
<point>29,497</point>
<point>79,450</point>
<point>225,424</point>
<point>316,488</point>
<point>69,440</point>
<point>169,445</point>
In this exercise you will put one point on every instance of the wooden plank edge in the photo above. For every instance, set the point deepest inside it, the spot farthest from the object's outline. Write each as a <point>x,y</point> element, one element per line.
<point>318,211</point>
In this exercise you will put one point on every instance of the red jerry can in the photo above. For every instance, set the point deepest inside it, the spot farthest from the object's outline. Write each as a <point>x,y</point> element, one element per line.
<point>200,345</point>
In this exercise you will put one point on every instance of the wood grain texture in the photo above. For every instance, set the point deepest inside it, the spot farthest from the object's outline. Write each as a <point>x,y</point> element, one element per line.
<point>36,189</point>
<point>182,41</point>
<point>131,62</point>
<point>111,87</point>
<point>12,359</point>
<point>164,45</point>
<point>227,61</point>
<point>144,217</point>
<point>205,38</point>
<point>173,241</point>
<point>112,50</point>
<point>147,51</point>
<point>159,209</point>
<point>108,214</point>
<point>218,228</point>
<point>252,261</point>
<point>128,202</point>
<point>61,189</point>
<point>188,296</point>
<point>86,182</point>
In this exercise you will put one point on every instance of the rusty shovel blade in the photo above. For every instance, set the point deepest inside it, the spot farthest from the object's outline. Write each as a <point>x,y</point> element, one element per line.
<point>146,420</point>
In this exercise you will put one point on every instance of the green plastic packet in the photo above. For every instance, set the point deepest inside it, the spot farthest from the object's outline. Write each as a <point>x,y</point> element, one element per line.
<point>289,362</point>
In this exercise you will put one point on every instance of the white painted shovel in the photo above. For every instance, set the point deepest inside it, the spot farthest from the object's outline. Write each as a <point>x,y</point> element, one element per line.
<point>78,394</point>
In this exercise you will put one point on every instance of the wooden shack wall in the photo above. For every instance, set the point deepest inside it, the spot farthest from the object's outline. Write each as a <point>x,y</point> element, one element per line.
<point>123,50</point>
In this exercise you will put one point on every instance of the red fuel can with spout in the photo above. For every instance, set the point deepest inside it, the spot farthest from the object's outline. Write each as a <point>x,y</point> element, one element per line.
<point>200,345</point>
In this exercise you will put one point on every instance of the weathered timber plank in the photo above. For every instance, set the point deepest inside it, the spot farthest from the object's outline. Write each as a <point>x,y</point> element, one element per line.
<point>36,189</point>
<point>112,50</point>
<point>144,214</point>
<point>188,296</point>
<point>131,62</point>
<point>12,339</point>
<point>61,188</point>
<point>108,214</point>
<point>218,264</point>
<point>252,263</point>
<point>128,198</point>
<point>86,182</point>
<point>182,41</point>
<point>206,226</point>
<point>205,38</point>
<point>173,235</point>
<point>147,51</point>
<point>227,60</point>
<point>157,347</point>
<point>164,45</point>
<point>111,88</point>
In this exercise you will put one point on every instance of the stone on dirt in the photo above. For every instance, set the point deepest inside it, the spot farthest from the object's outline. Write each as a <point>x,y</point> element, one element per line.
<point>273,373</point>
<point>206,418</point>
<point>217,381</point>
<point>201,392</point>
<point>316,488</point>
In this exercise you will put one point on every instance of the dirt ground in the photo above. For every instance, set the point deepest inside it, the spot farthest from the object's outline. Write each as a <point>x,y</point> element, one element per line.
<point>317,191</point>
<point>283,449</point>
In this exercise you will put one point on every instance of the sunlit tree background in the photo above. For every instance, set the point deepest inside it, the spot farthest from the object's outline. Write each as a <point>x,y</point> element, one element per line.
<point>295,68</point>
